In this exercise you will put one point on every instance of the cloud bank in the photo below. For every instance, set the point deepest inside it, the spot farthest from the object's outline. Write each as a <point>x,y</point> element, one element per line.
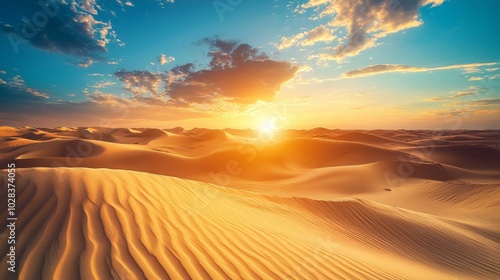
<point>365,23</point>
<point>58,26</point>
<point>237,73</point>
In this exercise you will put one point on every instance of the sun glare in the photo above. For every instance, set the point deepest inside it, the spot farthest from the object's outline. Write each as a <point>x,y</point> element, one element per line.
<point>268,128</point>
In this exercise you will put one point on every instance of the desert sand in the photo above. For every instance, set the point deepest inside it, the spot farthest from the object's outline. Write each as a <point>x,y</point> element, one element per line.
<point>136,203</point>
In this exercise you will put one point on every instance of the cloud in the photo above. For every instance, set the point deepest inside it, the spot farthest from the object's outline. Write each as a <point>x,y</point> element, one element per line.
<point>86,62</point>
<point>21,105</point>
<point>159,2</point>
<point>163,59</point>
<point>108,99</point>
<point>466,108</point>
<point>89,6</point>
<point>142,82</point>
<point>366,22</point>
<point>472,90</point>
<point>237,73</point>
<point>491,69</point>
<point>388,68</point>
<point>103,84</point>
<point>437,99</point>
<point>61,27</point>
<point>475,79</point>
<point>495,77</point>
<point>485,102</point>
<point>15,90</point>
<point>101,109</point>
<point>16,97</point>
<point>308,38</point>
<point>162,3</point>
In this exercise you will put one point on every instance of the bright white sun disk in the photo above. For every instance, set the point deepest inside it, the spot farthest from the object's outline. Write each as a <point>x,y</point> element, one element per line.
<point>268,127</point>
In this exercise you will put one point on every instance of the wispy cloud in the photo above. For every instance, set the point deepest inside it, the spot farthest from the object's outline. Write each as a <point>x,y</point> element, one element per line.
<point>485,102</point>
<point>475,79</point>
<point>103,84</point>
<point>84,63</point>
<point>308,38</point>
<point>106,98</point>
<point>15,90</point>
<point>472,90</point>
<point>391,68</point>
<point>437,99</point>
<point>495,77</point>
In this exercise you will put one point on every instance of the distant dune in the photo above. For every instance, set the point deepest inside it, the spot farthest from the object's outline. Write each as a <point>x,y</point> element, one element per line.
<point>120,203</point>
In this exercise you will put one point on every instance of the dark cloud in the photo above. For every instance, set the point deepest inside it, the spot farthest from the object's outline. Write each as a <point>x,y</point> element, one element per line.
<point>103,98</point>
<point>58,26</point>
<point>142,83</point>
<point>101,109</point>
<point>15,91</point>
<point>236,73</point>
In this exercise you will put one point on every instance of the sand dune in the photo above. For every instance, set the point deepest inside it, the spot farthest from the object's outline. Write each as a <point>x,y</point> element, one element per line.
<point>108,224</point>
<point>368,138</point>
<point>471,156</point>
<point>122,203</point>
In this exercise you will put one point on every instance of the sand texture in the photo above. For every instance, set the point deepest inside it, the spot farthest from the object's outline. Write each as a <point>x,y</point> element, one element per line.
<point>133,203</point>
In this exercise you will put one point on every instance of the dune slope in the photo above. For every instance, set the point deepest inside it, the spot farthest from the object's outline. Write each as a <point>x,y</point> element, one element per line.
<point>114,224</point>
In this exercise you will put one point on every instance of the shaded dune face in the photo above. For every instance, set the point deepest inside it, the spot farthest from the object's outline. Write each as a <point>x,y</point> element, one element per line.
<point>139,203</point>
<point>109,224</point>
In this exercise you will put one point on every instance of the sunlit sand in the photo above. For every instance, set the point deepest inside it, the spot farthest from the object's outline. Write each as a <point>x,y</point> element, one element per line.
<point>102,203</point>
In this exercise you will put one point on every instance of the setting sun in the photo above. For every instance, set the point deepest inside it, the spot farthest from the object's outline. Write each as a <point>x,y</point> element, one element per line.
<point>268,128</point>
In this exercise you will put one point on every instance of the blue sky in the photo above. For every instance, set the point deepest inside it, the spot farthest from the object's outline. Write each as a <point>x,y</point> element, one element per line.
<point>234,63</point>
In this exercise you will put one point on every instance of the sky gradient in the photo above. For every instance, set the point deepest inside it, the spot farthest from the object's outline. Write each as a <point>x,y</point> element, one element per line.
<point>391,64</point>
